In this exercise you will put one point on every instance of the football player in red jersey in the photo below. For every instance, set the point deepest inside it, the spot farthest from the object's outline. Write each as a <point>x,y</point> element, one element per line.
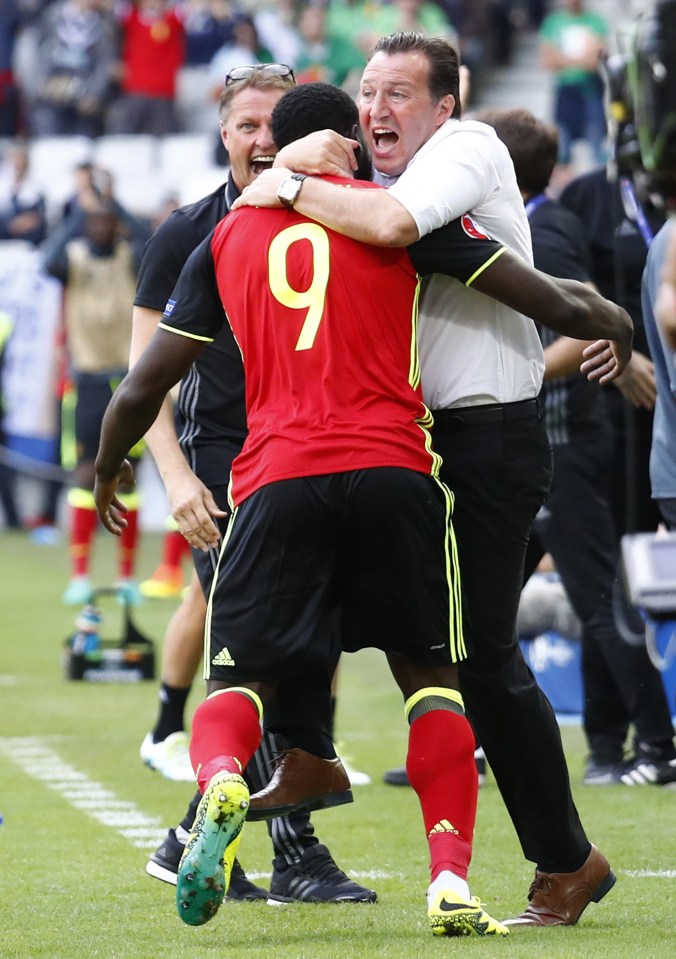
<point>336,500</point>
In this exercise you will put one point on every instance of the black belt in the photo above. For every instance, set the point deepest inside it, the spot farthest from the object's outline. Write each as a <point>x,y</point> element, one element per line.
<point>487,413</point>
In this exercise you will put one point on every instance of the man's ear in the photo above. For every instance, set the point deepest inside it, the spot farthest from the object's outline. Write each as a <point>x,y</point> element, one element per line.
<point>445,108</point>
<point>364,169</point>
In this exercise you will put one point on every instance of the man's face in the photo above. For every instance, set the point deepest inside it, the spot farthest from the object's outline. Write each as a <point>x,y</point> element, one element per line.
<point>247,136</point>
<point>396,111</point>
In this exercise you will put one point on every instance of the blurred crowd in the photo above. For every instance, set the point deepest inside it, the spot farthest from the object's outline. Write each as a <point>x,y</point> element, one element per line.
<point>155,66</point>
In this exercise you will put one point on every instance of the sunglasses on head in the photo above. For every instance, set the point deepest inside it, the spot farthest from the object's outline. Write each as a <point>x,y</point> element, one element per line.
<point>271,69</point>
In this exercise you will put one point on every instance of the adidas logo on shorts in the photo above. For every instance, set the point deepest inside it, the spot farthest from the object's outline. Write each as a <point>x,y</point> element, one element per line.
<point>223,658</point>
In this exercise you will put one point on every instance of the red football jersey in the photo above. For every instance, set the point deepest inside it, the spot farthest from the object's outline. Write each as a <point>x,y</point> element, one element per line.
<point>327,331</point>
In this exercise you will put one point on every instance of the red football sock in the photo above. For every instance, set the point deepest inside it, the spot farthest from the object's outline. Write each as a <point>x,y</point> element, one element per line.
<point>441,769</point>
<point>226,732</point>
<point>128,546</point>
<point>174,548</point>
<point>83,521</point>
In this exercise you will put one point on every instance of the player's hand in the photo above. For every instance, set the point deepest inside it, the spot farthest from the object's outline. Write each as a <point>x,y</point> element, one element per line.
<point>605,360</point>
<point>194,509</point>
<point>263,190</point>
<point>637,383</point>
<point>323,152</point>
<point>108,504</point>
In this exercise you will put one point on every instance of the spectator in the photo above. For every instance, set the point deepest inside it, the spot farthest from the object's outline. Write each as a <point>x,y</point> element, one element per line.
<point>245,48</point>
<point>93,186</point>
<point>74,65</point>
<point>209,25</point>
<point>153,52</point>
<point>417,16</point>
<point>353,21</point>
<point>10,509</point>
<point>572,44</point>
<point>277,30</point>
<point>10,20</point>
<point>324,56</point>
<point>22,206</point>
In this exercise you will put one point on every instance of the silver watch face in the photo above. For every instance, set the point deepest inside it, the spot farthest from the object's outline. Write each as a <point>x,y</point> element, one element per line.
<point>289,189</point>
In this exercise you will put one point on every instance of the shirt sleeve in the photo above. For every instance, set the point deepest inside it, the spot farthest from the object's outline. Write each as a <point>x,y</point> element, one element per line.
<point>194,308</point>
<point>460,249</point>
<point>163,258</point>
<point>454,176</point>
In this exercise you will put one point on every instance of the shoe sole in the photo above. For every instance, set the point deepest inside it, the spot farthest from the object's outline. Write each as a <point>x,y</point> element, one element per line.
<point>463,919</point>
<point>168,875</point>
<point>308,805</point>
<point>204,872</point>
<point>466,924</point>
<point>601,890</point>
<point>162,873</point>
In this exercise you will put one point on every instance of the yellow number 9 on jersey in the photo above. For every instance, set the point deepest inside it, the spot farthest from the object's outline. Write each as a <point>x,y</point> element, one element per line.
<point>314,297</point>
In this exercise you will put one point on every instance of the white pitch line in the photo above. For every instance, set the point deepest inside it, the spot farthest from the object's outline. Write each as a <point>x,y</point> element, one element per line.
<point>41,762</point>
<point>650,873</point>
<point>44,764</point>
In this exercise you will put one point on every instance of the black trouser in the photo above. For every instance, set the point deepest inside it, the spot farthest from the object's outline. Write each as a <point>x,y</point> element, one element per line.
<point>500,472</point>
<point>621,685</point>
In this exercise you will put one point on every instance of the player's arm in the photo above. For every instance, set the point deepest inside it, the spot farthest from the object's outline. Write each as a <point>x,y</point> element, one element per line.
<point>191,503</point>
<point>374,218</point>
<point>161,437</point>
<point>191,319</point>
<point>132,411</point>
<point>163,258</point>
<point>567,307</point>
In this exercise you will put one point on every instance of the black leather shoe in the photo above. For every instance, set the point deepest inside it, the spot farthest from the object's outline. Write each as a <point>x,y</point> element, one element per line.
<point>396,777</point>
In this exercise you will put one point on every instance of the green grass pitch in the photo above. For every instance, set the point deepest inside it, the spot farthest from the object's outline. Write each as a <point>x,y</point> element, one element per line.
<point>72,881</point>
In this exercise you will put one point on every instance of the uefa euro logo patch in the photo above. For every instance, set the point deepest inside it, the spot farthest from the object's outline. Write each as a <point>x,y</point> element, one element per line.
<point>471,229</point>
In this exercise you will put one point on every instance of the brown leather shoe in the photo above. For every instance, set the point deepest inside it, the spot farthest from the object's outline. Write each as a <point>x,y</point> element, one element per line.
<point>560,898</point>
<point>301,781</point>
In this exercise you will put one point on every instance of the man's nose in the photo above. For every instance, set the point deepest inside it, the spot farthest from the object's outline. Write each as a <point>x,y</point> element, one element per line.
<point>379,106</point>
<point>264,139</point>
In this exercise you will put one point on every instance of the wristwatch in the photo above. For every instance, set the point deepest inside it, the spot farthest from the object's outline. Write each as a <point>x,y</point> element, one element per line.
<point>289,188</point>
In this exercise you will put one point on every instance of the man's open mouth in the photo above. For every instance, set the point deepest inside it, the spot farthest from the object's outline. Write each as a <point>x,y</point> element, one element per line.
<point>258,164</point>
<point>383,138</point>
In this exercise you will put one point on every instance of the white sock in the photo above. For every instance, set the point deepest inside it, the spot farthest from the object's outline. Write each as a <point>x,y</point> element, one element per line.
<point>183,835</point>
<point>448,880</point>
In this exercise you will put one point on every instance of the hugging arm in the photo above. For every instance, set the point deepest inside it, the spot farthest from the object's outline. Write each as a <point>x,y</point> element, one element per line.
<point>567,307</point>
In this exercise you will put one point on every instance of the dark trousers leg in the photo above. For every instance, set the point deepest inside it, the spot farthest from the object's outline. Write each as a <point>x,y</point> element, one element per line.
<point>621,685</point>
<point>500,474</point>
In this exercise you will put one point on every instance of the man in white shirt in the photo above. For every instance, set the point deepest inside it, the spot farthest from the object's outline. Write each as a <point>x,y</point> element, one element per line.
<point>482,367</point>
